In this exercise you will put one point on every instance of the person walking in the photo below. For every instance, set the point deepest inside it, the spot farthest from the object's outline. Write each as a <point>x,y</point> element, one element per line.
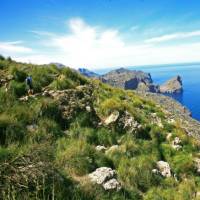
<point>29,84</point>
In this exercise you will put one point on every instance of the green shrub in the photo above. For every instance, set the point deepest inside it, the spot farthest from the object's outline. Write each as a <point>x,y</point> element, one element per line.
<point>18,89</point>
<point>19,75</point>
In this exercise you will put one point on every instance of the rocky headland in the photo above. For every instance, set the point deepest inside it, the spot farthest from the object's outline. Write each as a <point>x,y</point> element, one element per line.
<point>173,85</point>
<point>136,80</point>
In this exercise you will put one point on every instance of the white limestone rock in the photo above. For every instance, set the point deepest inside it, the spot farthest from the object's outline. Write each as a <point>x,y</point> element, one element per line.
<point>176,143</point>
<point>164,168</point>
<point>112,184</point>
<point>105,176</point>
<point>100,148</point>
<point>101,175</point>
<point>112,118</point>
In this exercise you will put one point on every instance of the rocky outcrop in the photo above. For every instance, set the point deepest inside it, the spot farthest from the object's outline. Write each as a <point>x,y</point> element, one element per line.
<point>111,118</point>
<point>164,168</point>
<point>176,143</point>
<point>174,111</point>
<point>105,176</point>
<point>124,121</point>
<point>128,123</point>
<point>173,85</point>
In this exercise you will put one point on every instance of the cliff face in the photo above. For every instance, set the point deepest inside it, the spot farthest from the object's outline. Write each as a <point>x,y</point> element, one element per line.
<point>77,138</point>
<point>130,79</point>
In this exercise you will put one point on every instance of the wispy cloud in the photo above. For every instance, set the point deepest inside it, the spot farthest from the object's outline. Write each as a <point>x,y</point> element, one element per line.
<point>174,36</point>
<point>97,47</point>
<point>14,47</point>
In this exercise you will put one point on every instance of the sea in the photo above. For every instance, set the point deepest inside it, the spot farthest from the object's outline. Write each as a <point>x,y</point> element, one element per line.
<point>190,74</point>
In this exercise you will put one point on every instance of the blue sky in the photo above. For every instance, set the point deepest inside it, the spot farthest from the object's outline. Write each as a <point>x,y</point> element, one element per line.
<point>101,33</point>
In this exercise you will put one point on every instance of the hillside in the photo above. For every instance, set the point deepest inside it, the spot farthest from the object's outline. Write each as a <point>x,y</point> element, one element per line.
<point>77,138</point>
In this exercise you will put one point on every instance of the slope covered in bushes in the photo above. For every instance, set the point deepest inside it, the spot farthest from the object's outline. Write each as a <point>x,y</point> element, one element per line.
<point>48,142</point>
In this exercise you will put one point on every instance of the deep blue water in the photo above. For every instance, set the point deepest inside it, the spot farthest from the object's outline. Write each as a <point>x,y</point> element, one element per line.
<point>191,83</point>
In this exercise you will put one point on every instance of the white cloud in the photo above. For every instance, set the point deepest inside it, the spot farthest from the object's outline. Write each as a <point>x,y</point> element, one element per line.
<point>13,47</point>
<point>174,36</point>
<point>96,47</point>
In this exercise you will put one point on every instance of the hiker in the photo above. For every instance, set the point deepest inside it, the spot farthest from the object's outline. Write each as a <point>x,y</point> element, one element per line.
<point>29,85</point>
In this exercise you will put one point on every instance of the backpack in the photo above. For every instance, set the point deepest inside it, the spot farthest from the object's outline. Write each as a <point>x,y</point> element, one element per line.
<point>28,80</point>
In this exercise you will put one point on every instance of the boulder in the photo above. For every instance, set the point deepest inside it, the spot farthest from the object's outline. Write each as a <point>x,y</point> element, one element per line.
<point>164,168</point>
<point>111,118</point>
<point>176,143</point>
<point>102,174</point>
<point>105,176</point>
<point>197,165</point>
<point>32,127</point>
<point>88,108</point>
<point>155,171</point>
<point>100,148</point>
<point>173,85</point>
<point>112,184</point>
<point>169,135</point>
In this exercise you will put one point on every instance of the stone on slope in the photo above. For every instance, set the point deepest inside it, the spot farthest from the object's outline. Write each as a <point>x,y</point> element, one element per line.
<point>100,148</point>
<point>101,175</point>
<point>112,184</point>
<point>197,165</point>
<point>128,123</point>
<point>164,168</point>
<point>176,143</point>
<point>105,176</point>
<point>111,118</point>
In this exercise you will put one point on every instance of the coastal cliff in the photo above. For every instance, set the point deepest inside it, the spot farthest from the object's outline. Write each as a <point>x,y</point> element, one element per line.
<point>136,80</point>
